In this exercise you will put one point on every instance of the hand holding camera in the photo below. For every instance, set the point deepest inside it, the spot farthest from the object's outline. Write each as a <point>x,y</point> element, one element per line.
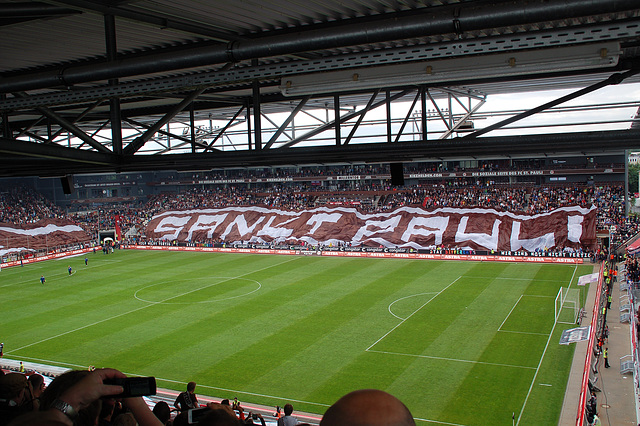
<point>133,386</point>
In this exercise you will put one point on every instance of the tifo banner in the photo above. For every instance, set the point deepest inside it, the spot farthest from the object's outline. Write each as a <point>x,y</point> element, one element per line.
<point>408,227</point>
<point>40,235</point>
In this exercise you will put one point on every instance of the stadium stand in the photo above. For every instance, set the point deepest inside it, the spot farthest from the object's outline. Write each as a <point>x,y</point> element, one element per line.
<point>22,205</point>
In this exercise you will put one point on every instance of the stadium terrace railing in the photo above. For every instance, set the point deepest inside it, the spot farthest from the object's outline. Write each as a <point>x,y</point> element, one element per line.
<point>589,361</point>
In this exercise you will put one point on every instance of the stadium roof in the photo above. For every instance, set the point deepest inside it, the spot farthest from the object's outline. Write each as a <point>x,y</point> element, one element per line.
<point>73,69</point>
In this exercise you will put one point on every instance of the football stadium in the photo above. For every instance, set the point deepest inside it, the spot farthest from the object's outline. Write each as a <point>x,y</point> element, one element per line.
<point>333,213</point>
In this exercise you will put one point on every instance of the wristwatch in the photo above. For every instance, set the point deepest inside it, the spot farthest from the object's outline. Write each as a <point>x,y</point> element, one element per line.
<point>65,407</point>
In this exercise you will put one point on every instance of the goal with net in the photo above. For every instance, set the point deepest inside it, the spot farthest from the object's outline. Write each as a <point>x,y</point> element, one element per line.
<point>567,305</point>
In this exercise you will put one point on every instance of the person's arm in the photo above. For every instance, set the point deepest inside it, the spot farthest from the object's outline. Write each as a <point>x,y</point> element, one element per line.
<point>78,396</point>
<point>261,419</point>
<point>91,387</point>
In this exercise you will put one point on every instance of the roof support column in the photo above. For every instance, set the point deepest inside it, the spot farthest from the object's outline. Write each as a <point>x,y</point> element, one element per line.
<point>192,126</point>
<point>423,115</point>
<point>114,103</point>
<point>6,129</point>
<point>256,111</point>
<point>387,95</point>
<point>336,113</point>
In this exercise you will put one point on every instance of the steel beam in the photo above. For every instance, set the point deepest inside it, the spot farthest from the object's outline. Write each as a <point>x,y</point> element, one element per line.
<point>342,119</point>
<point>616,78</point>
<point>22,159</point>
<point>406,25</point>
<point>209,147</point>
<point>73,129</point>
<point>365,110</point>
<point>139,142</point>
<point>55,152</point>
<point>288,121</point>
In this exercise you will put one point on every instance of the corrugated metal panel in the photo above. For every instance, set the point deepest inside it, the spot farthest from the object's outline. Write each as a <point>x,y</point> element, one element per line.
<point>74,38</point>
<point>80,37</point>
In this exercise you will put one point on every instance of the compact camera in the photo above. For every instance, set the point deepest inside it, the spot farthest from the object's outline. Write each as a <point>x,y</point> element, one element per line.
<point>133,386</point>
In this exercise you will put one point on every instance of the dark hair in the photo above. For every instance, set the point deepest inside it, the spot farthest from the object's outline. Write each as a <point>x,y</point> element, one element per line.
<point>191,386</point>
<point>36,380</point>
<point>220,417</point>
<point>162,411</point>
<point>288,409</point>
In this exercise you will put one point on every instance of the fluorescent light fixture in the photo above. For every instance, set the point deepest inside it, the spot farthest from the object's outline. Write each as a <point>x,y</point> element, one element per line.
<point>560,59</point>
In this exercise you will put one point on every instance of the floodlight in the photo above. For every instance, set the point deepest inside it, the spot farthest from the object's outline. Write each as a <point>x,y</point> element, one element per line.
<point>584,57</point>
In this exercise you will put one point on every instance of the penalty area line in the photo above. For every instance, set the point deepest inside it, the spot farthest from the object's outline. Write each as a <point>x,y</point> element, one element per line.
<point>439,422</point>
<point>440,358</point>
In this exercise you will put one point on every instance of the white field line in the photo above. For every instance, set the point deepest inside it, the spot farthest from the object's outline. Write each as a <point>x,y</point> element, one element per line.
<point>468,361</point>
<point>245,393</point>
<point>541,359</point>
<point>509,314</point>
<point>402,322</point>
<point>402,298</point>
<point>130,312</point>
<point>439,422</point>
<point>573,275</point>
<point>515,279</point>
<point>52,362</point>
<point>538,295</point>
<point>225,279</point>
<point>523,332</point>
<point>536,374</point>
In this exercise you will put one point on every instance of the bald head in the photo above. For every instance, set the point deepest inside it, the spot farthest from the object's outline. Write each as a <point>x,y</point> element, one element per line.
<point>368,407</point>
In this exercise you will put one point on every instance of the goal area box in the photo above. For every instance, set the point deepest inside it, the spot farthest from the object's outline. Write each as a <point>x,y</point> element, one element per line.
<point>567,305</point>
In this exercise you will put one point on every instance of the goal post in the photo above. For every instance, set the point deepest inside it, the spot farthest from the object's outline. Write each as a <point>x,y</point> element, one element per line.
<point>567,305</point>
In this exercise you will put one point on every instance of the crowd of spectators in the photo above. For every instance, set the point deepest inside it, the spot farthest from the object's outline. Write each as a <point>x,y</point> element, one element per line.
<point>22,205</point>
<point>106,216</point>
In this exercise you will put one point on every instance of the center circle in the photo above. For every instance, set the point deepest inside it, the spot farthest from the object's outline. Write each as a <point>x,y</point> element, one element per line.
<point>197,290</point>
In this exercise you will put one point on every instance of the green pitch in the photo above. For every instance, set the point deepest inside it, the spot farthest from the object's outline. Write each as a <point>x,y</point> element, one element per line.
<point>462,343</point>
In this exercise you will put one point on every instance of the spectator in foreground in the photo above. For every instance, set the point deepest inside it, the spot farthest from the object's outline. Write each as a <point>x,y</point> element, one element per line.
<point>162,412</point>
<point>14,397</point>
<point>36,381</point>
<point>368,407</point>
